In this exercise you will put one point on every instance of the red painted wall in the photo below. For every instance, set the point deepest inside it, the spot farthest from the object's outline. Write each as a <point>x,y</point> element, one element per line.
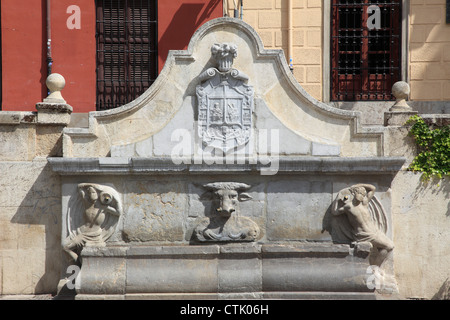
<point>179,19</point>
<point>23,54</point>
<point>74,52</point>
<point>24,66</point>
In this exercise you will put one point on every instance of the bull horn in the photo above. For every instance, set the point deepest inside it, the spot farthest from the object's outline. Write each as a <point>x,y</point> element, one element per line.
<point>226,186</point>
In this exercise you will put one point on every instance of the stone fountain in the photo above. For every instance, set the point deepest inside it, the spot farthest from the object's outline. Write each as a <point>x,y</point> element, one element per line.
<point>226,179</point>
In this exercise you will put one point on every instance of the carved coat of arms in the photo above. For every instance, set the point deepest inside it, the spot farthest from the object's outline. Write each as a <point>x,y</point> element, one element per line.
<point>225,102</point>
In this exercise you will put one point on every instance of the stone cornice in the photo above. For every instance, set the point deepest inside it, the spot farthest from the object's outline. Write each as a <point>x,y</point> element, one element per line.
<point>282,165</point>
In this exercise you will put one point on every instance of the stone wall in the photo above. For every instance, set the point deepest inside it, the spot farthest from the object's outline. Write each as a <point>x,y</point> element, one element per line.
<point>421,220</point>
<point>30,205</point>
<point>30,214</point>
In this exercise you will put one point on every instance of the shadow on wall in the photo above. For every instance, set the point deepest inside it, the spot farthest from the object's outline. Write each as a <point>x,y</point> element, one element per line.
<point>436,186</point>
<point>444,292</point>
<point>182,26</point>
<point>40,206</point>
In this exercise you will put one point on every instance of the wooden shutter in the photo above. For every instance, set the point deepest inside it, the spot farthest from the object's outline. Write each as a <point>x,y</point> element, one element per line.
<point>365,63</point>
<point>126,50</point>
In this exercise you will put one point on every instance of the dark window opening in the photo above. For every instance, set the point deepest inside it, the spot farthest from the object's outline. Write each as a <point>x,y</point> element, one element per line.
<point>127,51</point>
<point>365,57</point>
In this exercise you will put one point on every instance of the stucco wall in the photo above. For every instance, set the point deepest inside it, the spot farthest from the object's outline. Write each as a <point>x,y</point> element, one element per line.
<point>429,50</point>
<point>421,220</point>
<point>421,216</point>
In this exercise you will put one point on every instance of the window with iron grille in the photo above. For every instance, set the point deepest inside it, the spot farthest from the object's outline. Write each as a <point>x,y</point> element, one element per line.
<point>127,54</point>
<point>365,49</point>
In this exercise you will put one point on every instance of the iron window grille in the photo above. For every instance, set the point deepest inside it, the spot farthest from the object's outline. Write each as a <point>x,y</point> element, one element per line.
<point>127,52</point>
<point>365,61</point>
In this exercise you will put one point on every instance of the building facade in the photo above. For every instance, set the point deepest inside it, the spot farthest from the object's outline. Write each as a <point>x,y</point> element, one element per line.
<point>333,52</point>
<point>71,37</point>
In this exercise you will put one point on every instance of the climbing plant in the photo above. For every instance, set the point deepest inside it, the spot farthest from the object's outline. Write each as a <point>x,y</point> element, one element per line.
<point>433,158</point>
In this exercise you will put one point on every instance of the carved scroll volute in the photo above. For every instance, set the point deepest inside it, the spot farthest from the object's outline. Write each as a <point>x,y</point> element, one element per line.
<point>93,219</point>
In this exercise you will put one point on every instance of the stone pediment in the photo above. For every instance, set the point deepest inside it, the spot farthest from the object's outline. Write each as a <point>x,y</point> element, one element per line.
<point>275,115</point>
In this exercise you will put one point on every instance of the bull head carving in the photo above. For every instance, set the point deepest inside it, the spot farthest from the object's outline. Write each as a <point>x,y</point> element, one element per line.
<point>226,224</point>
<point>226,196</point>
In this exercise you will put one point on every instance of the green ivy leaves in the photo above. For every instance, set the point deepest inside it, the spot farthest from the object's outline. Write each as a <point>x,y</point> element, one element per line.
<point>433,157</point>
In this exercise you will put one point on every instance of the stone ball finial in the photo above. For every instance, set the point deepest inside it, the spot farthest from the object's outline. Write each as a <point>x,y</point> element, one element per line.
<point>55,83</point>
<point>54,110</point>
<point>401,91</point>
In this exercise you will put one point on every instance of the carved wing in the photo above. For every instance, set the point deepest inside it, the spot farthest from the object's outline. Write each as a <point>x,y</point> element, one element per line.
<point>339,227</point>
<point>74,218</point>
<point>378,214</point>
